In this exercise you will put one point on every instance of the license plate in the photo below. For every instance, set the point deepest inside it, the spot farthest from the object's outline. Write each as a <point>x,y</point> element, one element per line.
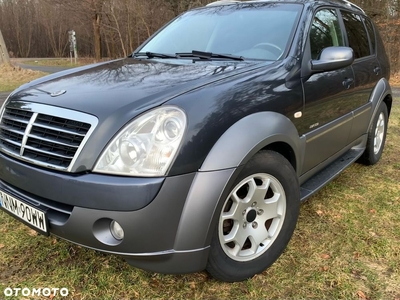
<point>25,212</point>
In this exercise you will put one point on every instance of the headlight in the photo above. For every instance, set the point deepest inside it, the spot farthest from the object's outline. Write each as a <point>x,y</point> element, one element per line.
<point>146,146</point>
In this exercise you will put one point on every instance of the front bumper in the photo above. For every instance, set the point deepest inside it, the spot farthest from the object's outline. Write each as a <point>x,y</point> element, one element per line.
<point>166,221</point>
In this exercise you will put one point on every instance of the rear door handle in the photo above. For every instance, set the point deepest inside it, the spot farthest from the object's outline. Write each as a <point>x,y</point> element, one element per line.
<point>377,70</point>
<point>348,82</point>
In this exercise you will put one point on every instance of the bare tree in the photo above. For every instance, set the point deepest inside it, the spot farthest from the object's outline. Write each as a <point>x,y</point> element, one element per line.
<point>4,58</point>
<point>114,28</point>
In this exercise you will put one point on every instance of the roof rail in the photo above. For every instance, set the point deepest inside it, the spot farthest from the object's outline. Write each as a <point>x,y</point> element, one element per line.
<point>353,5</point>
<point>222,2</point>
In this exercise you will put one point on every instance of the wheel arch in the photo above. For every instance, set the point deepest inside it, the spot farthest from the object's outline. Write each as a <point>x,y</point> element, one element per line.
<point>381,93</point>
<point>256,132</point>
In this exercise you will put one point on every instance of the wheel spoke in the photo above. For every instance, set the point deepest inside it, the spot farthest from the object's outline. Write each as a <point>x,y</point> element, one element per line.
<point>239,239</point>
<point>258,193</point>
<point>271,207</point>
<point>258,236</point>
<point>237,209</point>
<point>231,237</point>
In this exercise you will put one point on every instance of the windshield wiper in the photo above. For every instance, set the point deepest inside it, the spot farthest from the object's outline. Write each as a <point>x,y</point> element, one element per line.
<point>209,55</point>
<point>154,55</point>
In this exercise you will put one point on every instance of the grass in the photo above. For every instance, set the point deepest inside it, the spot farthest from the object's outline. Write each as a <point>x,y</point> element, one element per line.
<point>12,77</point>
<point>346,246</point>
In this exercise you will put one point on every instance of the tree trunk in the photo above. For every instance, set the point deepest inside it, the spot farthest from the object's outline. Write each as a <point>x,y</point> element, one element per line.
<point>97,36</point>
<point>4,58</point>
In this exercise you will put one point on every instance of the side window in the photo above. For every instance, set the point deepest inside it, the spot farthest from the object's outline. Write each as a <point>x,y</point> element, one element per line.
<point>325,32</point>
<point>356,33</point>
<point>371,32</point>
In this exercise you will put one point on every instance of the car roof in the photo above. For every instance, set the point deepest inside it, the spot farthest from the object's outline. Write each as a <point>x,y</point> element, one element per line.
<point>315,3</point>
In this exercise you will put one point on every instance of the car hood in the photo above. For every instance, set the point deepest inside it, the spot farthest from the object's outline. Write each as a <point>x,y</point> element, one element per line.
<point>126,84</point>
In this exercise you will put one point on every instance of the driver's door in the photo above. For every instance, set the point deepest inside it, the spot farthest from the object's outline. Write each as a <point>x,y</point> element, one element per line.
<point>327,117</point>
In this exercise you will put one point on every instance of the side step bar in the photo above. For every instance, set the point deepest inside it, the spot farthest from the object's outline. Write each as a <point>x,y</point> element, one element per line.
<point>319,180</point>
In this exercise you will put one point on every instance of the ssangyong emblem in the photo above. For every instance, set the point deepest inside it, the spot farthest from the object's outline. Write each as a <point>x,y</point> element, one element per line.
<point>59,93</point>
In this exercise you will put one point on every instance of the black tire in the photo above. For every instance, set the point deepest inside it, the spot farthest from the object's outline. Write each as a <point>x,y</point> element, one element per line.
<point>257,253</point>
<point>376,134</point>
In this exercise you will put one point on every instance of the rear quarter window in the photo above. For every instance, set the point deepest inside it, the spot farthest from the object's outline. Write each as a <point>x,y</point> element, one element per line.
<point>371,33</point>
<point>356,34</point>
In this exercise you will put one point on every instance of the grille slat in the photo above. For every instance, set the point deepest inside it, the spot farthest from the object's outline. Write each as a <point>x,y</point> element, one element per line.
<point>8,129</point>
<point>59,129</point>
<point>10,141</point>
<point>53,141</point>
<point>15,119</point>
<point>43,152</point>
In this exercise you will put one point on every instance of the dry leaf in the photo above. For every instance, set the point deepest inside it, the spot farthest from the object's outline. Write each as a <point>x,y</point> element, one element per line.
<point>324,268</point>
<point>361,295</point>
<point>325,256</point>
<point>319,212</point>
<point>51,296</point>
<point>193,285</point>
<point>2,246</point>
<point>32,232</point>
<point>372,211</point>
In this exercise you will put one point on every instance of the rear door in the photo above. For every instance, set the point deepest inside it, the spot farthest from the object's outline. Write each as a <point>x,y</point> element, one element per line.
<point>361,38</point>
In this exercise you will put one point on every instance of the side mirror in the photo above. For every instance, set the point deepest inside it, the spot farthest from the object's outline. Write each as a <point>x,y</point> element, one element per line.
<point>333,58</point>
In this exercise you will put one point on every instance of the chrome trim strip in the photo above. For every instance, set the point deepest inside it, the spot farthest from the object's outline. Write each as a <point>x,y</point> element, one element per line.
<point>27,131</point>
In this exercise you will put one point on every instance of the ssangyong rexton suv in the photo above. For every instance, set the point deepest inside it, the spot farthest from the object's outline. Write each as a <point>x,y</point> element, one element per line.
<point>195,152</point>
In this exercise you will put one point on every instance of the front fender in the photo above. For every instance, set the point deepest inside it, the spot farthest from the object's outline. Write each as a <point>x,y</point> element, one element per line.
<point>220,169</point>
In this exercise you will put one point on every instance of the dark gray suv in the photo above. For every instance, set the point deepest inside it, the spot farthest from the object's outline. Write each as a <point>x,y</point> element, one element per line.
<point>195,152</point>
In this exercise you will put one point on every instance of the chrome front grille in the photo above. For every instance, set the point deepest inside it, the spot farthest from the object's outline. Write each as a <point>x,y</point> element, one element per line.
<point>44,135</point>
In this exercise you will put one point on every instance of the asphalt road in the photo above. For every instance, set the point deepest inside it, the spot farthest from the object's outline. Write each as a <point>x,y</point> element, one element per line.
<point>46,69</point>
<point>42,68</point>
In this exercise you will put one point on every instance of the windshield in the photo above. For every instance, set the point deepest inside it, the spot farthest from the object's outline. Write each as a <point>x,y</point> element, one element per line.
<point>253,31</point>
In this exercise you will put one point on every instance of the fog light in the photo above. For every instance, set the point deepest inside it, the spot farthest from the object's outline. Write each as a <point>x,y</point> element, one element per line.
<point>116,230</point>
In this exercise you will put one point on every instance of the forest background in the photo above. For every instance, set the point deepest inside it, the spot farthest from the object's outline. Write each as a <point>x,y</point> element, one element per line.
<point>114,28</point>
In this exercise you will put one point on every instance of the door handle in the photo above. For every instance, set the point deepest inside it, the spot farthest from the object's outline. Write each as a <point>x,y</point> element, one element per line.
<point>377,70</point>
<point>348,82</point>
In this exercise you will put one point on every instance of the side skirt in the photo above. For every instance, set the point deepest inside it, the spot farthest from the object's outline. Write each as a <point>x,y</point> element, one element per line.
<point>322,178</point>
